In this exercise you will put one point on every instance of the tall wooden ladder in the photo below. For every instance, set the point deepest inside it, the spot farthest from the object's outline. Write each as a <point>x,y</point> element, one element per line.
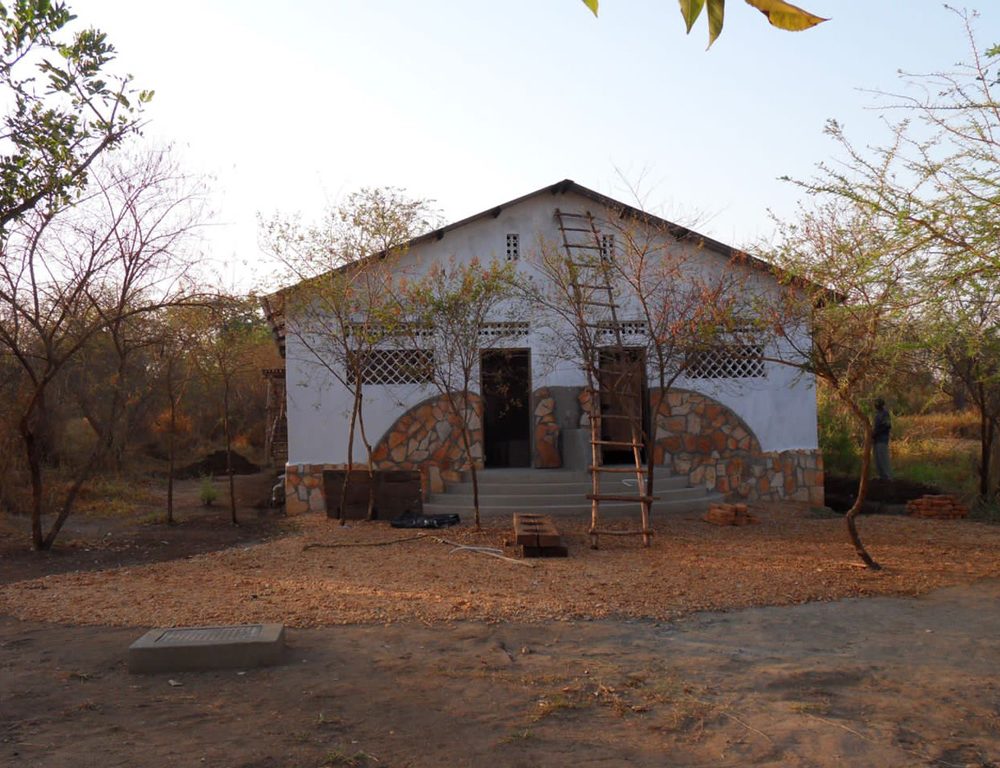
<point>590,290</point>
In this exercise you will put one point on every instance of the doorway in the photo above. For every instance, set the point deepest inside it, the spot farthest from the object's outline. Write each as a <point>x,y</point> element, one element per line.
<point>506,391</point>
<point>624,397</point>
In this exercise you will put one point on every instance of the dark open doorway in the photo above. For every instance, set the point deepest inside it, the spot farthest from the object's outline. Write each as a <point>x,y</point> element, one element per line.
<point>506,388</point>
<point>624,397</point>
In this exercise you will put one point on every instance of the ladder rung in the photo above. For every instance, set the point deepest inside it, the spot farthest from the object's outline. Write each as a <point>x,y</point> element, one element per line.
<point>640,499</point>
<point>592,303</point>
<point>618,416</point>
<point>618,443</point>
<point>573,215</point>
<point>576,229</point>
<point>648,532</point>
<point>623,470</point>
<point>581,245</point>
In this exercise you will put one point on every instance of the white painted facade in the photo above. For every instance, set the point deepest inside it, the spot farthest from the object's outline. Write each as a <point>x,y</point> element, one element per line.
<point>780,407</point>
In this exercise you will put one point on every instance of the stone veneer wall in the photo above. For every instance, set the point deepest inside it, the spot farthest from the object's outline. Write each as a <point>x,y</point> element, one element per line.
<point>546,432</point>
<point>425,437</point>
<point>704,440</point>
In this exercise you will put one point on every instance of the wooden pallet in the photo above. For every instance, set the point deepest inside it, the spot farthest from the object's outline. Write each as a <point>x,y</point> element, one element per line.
<point>538,536</point>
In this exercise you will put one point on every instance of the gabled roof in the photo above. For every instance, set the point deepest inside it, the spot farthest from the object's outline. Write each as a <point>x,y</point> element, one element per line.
<point>273,304</point>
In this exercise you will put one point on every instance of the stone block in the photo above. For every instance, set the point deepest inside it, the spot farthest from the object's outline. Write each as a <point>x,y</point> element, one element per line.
<point>435,483</point>
<point>181,649</point>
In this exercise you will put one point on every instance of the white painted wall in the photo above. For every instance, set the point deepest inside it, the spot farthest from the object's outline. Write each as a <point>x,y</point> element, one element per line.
<point>780,409</point>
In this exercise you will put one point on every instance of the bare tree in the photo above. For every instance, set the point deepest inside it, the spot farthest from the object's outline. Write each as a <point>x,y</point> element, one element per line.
<point>445,312</point>
<point>72,271</point>
<point>342,267</point>
<point>229,331</point>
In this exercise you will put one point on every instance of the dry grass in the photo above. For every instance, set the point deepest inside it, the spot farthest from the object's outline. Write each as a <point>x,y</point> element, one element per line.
<point>692,566</point>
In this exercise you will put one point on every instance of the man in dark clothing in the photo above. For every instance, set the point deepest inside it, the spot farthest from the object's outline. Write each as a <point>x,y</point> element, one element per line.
<point>880,436</point>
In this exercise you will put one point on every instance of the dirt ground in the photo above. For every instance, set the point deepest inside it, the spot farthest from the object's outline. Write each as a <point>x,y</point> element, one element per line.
<point>715,647</point>
<point>874,682</point>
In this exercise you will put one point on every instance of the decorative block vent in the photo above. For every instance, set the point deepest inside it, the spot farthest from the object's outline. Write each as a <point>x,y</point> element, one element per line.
<point>513,246</point>
<point>508,330</point>
<point>607,247</point>
<point>626,327</point>
<point>396,366</point>
<point>732,362</point>
<point>376,332</point>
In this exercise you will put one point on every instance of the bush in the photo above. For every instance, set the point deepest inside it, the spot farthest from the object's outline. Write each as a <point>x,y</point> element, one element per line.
<point>838,439</point>
<point>208,492</point>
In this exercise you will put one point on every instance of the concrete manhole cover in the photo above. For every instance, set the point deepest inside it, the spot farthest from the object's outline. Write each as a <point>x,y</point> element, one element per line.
<point>177,649</point>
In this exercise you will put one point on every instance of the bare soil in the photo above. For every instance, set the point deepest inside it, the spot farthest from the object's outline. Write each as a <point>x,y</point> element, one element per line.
<point>715,647</point>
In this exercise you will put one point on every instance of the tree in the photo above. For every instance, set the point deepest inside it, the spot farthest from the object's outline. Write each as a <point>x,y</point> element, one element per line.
<point>342,268</point>
<point>71,272</point>
<point>779,13</point>
<point>853,290</point>
<point>63,109</point>
<point>229,331</point>
<point>687,307</point>
<point>444,313</point>
<point>935,185</point>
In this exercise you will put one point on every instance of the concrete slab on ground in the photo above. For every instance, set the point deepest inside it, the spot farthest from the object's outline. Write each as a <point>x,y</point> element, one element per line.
<point>180,649</point>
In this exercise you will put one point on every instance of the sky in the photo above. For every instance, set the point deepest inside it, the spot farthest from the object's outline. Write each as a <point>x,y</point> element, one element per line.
<point>288,107</point>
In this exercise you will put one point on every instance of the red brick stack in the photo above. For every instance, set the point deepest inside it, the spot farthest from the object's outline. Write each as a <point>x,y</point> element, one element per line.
<point>941,507</point>
<point>729,514</point>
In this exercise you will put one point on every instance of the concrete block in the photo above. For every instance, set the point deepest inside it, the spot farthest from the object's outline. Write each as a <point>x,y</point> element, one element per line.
<point>181,649</point>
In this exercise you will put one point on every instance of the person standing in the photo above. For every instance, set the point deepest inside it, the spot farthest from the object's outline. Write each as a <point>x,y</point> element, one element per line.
<point>880,437</point>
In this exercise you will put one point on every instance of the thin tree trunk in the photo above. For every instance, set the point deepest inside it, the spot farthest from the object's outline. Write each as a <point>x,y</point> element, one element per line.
<point>171,448</point>
<point>370,462</point>
<point>35,472</point>
<point>467,445</point>
<point>70,499</point>
<point>852,513</point>
<point>342,507</point>
<point>229,451</point>
<point>986,425</point>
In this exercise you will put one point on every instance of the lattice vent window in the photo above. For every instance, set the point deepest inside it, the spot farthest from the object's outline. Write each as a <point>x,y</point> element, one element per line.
<point>607,247</point>
<point>509,330</point>
<point>513,246</point>
<point>731,362</point>
<point>395,366</point>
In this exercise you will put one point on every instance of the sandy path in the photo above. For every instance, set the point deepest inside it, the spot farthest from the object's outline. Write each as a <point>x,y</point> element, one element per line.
<point>874,682</point>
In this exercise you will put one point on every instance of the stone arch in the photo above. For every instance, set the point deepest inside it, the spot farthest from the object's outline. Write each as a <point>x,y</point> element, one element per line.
<point>429,434</point>
<point>703,439</point>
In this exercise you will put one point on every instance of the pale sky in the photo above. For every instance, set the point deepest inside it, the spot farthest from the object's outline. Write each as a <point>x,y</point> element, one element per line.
<point>290,106</point>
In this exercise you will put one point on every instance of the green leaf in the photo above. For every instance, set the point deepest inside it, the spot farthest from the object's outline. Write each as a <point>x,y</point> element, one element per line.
<point>785,15</point>
<point>592,5</point>
<point>690,10</point>
<point>716,12</point>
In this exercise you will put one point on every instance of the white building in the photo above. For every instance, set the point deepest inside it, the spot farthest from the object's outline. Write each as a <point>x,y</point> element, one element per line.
<point>743,426</point>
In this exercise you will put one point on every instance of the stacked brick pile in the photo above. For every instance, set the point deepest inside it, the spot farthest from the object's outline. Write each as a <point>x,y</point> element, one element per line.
<point>937,506</point>
<point>729,514</point>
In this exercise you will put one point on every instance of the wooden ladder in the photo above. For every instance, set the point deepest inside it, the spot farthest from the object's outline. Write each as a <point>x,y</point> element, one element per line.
<point>596,316</point>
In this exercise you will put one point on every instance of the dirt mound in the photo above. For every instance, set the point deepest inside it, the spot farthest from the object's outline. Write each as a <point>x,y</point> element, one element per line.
<point>841,492</point>
<point>215,464</point>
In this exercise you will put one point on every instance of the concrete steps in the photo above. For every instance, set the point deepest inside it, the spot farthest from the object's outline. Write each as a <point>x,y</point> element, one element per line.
<point>563,493</point>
